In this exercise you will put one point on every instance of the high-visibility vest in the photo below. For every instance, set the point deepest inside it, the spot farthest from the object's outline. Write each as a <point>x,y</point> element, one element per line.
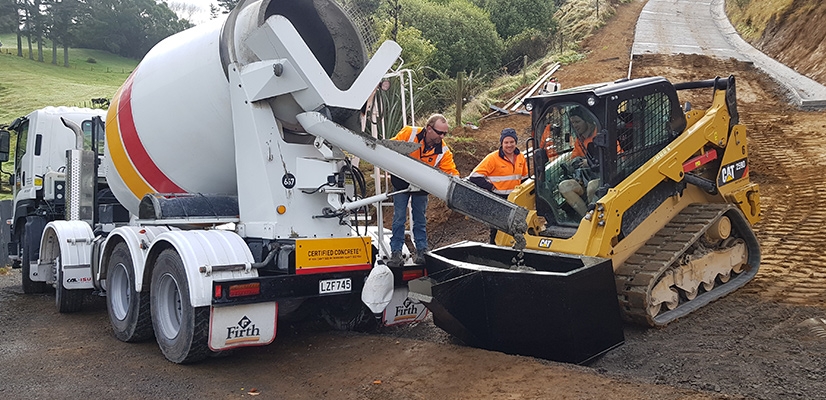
<point>499,171</point>
<point>439,157</point>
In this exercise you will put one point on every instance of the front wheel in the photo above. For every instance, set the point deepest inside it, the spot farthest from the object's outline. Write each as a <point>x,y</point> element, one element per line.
<point>30,242</point>
<point>182,331</point>
<point>128,309</point>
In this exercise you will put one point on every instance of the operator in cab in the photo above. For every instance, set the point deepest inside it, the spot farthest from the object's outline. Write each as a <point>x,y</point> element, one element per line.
<point>434,152</point>
<point>585,129</point>
<point>502,170</point>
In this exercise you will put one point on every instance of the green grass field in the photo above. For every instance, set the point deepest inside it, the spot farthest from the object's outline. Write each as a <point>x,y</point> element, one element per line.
<point>26,85</point>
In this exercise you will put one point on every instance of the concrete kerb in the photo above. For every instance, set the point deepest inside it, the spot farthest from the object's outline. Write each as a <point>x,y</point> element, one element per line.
<point>804,91</point>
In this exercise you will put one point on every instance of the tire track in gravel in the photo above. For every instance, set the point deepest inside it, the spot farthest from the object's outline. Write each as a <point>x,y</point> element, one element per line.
<point>787,160</point>
<point>788,164</point>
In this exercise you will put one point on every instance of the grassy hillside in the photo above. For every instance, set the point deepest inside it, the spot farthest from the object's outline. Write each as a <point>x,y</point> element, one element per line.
<point>26,85</point>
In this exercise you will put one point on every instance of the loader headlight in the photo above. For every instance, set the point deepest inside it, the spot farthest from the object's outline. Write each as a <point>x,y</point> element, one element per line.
<point>528,106</point>
<point>592,101</point>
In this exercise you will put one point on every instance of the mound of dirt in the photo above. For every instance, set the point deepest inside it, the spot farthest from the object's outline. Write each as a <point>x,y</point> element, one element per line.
<point>793,37</point>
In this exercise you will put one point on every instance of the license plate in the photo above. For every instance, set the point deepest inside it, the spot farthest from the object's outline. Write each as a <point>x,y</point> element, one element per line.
<point>334,285</point>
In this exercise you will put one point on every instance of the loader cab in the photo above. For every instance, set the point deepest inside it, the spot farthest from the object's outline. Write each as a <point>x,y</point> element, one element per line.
<point>633,120</point>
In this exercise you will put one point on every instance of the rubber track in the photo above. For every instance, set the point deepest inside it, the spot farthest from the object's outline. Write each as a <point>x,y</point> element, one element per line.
<point>637,276</point>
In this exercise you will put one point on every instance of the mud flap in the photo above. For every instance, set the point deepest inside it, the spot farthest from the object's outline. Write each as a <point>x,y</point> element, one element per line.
<point>565,309</point>
<point>403,310</point>
<point>242,325</point>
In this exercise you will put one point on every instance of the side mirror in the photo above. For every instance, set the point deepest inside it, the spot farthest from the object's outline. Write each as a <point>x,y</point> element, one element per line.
<point>4,145</point>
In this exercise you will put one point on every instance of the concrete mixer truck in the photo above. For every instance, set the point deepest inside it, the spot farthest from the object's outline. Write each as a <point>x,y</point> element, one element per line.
<point>229,146</point>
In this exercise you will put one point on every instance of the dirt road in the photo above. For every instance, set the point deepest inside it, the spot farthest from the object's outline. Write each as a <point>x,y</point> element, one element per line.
<point>750,344</point>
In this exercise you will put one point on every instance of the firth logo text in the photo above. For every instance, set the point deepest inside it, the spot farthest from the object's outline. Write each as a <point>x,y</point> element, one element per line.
<point>244,329</point>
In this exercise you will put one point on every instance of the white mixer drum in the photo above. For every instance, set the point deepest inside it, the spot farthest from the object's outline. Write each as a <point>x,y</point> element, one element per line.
<point>169,127</point>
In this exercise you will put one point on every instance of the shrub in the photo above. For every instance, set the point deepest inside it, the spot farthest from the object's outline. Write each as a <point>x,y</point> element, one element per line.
<point>532,43</point>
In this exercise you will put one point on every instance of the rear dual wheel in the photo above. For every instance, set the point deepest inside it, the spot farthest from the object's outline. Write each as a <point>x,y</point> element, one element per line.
<point>182,331</point>
<point>128,309</point>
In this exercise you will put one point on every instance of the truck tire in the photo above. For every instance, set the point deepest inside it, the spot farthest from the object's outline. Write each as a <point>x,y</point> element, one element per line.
<point>30,241</point>
<point>67,301</point>
<point>128,309</point>
<point>181,330</point>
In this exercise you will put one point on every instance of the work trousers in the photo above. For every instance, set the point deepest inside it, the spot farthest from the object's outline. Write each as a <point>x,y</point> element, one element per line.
<point>418,206</point>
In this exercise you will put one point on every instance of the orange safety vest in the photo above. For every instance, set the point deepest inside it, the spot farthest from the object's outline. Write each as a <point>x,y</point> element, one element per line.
<point>499,171</point>
<point>547,142</point>
<point>439,157</point>
<point>581,146</point>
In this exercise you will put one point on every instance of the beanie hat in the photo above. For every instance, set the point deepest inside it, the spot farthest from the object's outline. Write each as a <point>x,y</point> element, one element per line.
<point>508,132</point>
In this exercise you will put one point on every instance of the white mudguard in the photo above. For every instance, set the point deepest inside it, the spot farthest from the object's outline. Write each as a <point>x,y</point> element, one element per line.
<point>202,250</point>
<point>137,239</point>
<point>69,245</point>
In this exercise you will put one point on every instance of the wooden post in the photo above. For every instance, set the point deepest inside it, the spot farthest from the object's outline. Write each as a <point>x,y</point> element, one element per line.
<point>460,91</point>
<point>524,67</point>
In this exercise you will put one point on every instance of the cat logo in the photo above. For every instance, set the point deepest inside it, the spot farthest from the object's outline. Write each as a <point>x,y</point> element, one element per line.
<point>727,173</point>
<point>545,243</point>
<point>732,172</point>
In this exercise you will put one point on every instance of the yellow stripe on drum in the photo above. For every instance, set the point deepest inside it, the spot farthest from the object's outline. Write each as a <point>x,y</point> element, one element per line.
<point>117,153</point>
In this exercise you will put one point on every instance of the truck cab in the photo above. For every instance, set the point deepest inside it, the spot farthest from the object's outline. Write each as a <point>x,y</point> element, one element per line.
<point>38,181</point>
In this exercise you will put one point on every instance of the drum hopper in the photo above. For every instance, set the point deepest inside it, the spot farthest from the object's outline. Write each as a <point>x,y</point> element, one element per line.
<point>556,306</point>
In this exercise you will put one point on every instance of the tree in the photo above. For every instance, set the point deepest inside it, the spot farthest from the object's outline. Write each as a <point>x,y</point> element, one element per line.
<point>532,43</point>
<point>26,26</point>
<point>365,6</point>
<point>513,17</point>
<point>416,50</point>
<point>20,13</point>
<point>127,27</point>
<point>37,26</point>
<point>394,10</point>
<point>8,16</point>
<point>226,6</point>
<point>464,36</point>
<point>64,17</point>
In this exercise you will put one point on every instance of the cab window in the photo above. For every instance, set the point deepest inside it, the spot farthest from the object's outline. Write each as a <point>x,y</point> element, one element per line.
<point>555,143</point>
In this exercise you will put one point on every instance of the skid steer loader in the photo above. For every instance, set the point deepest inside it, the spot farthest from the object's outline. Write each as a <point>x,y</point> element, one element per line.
<point>663,194</point>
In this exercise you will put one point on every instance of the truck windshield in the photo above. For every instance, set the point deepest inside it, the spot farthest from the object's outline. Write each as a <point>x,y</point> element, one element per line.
<point>87,136</point>
<point>20,150</point>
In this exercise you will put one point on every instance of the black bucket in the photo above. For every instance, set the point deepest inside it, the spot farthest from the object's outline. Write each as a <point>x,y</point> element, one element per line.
<point>561,307</point>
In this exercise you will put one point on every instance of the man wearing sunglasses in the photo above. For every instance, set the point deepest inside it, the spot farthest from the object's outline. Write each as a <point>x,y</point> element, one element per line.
<point>434,152</point>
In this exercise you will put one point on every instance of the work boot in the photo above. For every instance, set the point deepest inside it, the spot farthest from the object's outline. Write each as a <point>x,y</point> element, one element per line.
<point>395,260</point>
<point>418,258</point>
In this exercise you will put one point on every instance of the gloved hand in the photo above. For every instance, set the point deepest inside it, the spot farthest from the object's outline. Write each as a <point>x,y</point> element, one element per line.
<point>579,162</point>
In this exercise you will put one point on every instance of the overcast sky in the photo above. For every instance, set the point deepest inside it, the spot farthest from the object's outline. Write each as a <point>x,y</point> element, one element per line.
<point>202,13</point>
